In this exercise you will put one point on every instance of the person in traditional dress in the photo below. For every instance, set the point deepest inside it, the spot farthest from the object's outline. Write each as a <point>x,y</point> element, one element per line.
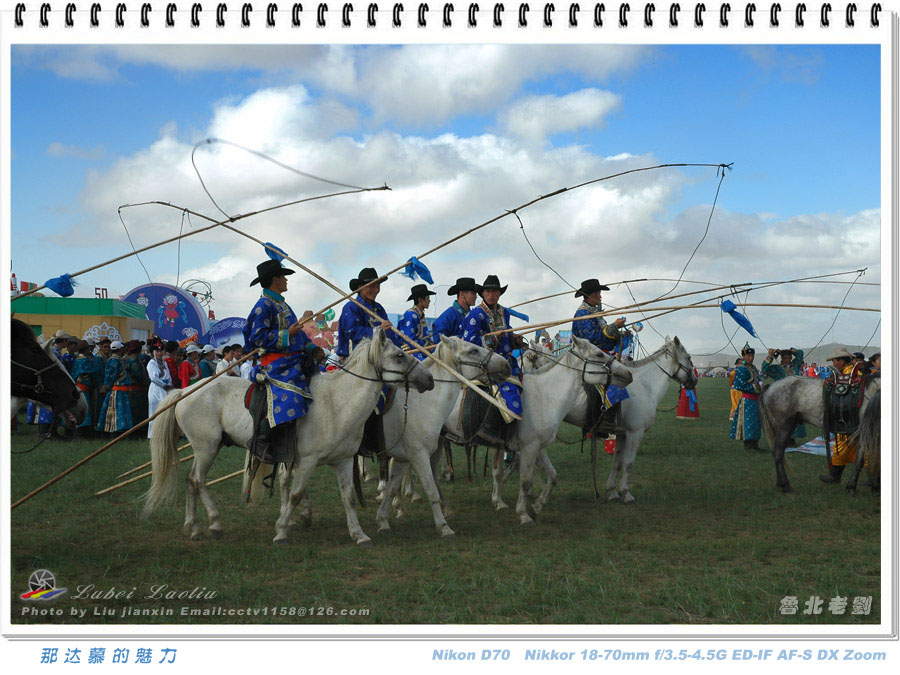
<point>287,357</point>
<point>356,325</point>
<point>413,324</point>
<point>489,317</point>
<point>734,393</point>
<point>875,364</point>
<point>139,381</point>
<point>607,337</point>
<point>115,415</point>
<point>171,360</point>
<point>844,450</point>
<point>451,322</point>
<point>778,364</point>
<point>189,370</point>
<point>745,424</point>
<point>71,352</point>
<point>160,380</point>
<point>88,379</point>
<point>208,361</point>
<point>688,405</point>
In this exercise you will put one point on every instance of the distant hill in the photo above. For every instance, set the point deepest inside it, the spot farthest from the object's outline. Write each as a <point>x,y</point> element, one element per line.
<point>817,355</point>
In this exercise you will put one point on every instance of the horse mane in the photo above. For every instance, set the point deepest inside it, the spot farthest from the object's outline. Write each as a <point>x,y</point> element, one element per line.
<point>648,359</point>
<point>20,330</point>
<point>357,354</point>
<point>551,363</point>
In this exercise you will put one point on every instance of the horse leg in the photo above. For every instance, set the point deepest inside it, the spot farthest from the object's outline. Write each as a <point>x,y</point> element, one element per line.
<point>631,441</point>
<point>436,458</point>
<point>421,462</point>
<point>290,498</point>
<point>497,488</point>
<point>525,503</point>
<point>304,513</point>
<point>398,468</point>
<point>612,492</point>
<point>383,472</point>
<point>543,461</point>
<point>203,459</point>
<point>780,439</point>
<point>344,471</point>
<point>857,468</point>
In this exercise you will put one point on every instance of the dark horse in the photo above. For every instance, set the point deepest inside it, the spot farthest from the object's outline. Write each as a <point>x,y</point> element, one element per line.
<point>788,402</point>
<point>37,375</point>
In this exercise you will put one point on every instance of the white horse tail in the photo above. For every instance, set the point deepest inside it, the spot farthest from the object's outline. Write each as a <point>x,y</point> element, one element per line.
<point>163,455</point>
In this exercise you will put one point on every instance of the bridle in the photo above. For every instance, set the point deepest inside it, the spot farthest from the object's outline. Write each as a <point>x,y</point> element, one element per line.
<point>38,387</point>
<point>604,365</point>
<point>680,367</point>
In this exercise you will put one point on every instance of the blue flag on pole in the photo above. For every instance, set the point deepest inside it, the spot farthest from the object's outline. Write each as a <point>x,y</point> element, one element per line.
<point>518,315</point>
<point>730,308</point>
<point>63,285</point>
<point>415,267</point>
<point>274,252</point>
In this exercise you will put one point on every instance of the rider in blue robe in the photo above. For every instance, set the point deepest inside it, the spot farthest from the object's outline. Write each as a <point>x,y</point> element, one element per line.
<point>115,415</point>
<point>488,318</point>
<point>355,325</point>
<point>451,322</point>
<point>745,423</point>
<point>287,355</point>
<point>604,335</point>
<point>413,324</point>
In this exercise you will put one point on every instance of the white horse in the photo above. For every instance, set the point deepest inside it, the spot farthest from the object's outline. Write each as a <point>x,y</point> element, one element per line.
<point>330,433</point>
<point>547,395</point>
<point>651,380</point>
<point>412,431</point>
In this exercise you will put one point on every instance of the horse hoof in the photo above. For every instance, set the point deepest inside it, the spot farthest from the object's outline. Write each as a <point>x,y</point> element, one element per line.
<point>197,536</point>
<point>385,530</point>
<point>501,505</point>
<point>628,499</point>
<point>216,534</point>
<point>614,497</point>
<point>851,492</point>
<point>448,536</point>
<point>529,509</point>
<point>787,489</point>
<point>416,497</point>
<point>365,543</point>
<point>528,523</point>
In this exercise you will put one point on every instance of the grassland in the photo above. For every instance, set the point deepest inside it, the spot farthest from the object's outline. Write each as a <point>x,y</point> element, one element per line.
<point>710,541</point>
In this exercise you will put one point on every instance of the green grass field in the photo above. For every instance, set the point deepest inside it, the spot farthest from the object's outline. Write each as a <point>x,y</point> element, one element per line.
<point>710,541</point>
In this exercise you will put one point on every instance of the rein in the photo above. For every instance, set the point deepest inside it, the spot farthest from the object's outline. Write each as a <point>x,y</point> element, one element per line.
<point>38,387</point>
<point>585,361</point>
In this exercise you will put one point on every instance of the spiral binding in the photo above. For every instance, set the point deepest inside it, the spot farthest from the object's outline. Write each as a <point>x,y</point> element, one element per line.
<point>622,14</point>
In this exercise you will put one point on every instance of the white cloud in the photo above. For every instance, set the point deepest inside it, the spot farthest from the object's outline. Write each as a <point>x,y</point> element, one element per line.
<point>57,149</point>
<point>533,118</point>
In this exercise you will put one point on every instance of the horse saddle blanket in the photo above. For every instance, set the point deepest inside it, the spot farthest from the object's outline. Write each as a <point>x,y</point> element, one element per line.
<point>843,398</point>
<point>373,436</point>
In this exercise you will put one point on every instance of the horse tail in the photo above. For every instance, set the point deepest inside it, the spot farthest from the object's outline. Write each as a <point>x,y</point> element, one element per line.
<point>252,486</point>
<point>765,418</point>
<point>163,455</point>
<point>868,435</point>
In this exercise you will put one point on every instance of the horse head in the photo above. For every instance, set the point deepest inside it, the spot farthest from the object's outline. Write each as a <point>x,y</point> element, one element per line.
<point>395,366</point>
<point>37,374</point>
<point>684,367</point>
<point>474,362</point>
<point>611,370</point>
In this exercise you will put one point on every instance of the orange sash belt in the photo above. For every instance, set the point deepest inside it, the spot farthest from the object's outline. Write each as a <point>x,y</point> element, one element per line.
<point>126,387</point>
<point>266,359</point>
<point>752,397</point>
<point>83,387</point>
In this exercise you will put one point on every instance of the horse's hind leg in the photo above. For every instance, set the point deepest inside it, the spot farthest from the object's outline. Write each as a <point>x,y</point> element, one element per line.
<point>344,471</point>
<point>525,504</point>
<point>497,488</point>
<point>382,518</point>
<point>543,461</point>
<point>204,454</point>
<point>630,443</point>
<point>422,464</point>
<point>612,492</point>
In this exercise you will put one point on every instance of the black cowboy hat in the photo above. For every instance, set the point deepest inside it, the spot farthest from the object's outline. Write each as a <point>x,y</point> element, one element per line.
<point>492,283</point>
<point>464,284</point>
<point>268,270</point>
<point>589,286</point>
<point>419,291</point>
<point>366,274</point>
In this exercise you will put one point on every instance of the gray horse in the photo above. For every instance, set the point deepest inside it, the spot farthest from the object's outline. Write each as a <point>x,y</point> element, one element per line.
<point>788,402</point>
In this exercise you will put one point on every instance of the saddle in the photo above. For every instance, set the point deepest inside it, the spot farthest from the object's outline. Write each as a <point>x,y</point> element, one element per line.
<point>483,421</point>
<point>271,445</point>
<point>843,398</point>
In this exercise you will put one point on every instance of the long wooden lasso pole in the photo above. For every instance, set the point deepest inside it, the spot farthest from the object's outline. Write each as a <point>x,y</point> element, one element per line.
<point>130,431</point>
<point>192,233</point>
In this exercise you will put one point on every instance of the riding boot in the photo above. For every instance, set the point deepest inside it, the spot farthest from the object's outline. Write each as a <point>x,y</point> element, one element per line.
<point>833,475</point>
<point>608,422</point>
<point>261,446</point>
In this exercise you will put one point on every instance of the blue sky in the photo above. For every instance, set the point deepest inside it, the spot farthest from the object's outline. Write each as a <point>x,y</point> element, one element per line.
<point>462,133</point>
